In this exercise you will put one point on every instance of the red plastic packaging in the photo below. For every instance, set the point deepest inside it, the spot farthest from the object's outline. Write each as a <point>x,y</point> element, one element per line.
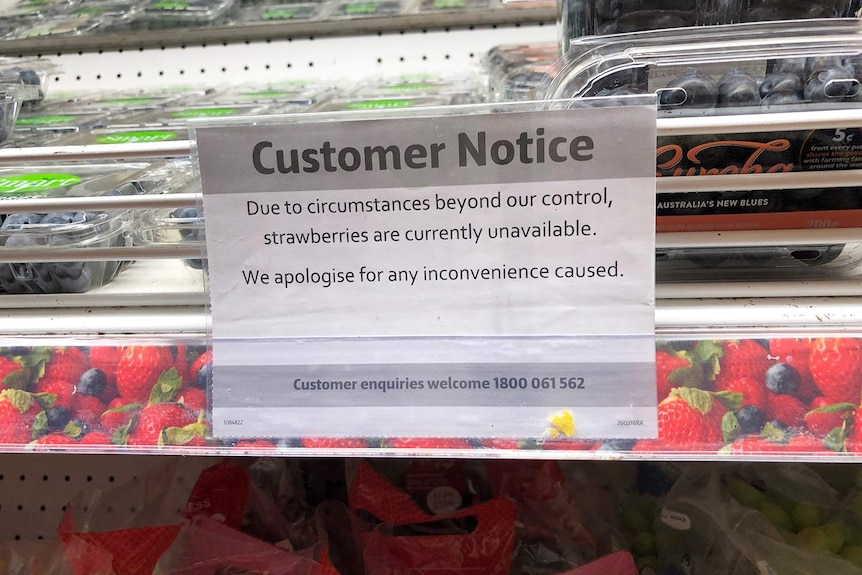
<point>477,540</point>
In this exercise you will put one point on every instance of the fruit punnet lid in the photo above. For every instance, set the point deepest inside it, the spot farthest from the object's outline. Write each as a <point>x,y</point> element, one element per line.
<point>132,101</point>
<point>187,10</point>
<point>86,180</point>
<point>385,103</point>
<point>179,116</point>
<point>417,86</point>
<point>301,94</point>
<point>638,62</point>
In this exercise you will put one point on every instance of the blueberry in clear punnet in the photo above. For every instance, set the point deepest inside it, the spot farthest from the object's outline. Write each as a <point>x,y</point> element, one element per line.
<point>831,85</point>
<point>779,100</point>
<point>783,378</point>
<point>718,11</point>
<point>795,66</point>
<point>781,83</point>
<point>646,20</point>
<point>821,63</point>
<point>62,218</point>
<point>29,77</point>
<point>692,89</point>
<point>16,221</point>
<point>707,259</point>
<point>79,283</point>
<point>738,88</point>
<point>768,10</point>
<point>620,94</point>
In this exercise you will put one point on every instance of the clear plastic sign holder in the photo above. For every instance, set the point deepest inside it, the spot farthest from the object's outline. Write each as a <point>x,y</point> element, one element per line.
<point>481,271</point>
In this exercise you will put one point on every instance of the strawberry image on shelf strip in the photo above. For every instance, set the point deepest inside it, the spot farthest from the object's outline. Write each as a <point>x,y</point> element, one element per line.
<point>739,397</point>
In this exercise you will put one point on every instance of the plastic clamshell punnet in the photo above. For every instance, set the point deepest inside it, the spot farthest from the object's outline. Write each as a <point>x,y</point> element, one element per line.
<point>47,232</point>
<point>182,226</point>
<point>169,13</point>
<point>580,18</point>
<point>12,97</point>
<point>740,68</point>
<point>29,72</point>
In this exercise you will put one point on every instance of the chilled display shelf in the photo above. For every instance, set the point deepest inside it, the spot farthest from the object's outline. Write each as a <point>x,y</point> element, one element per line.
<point>258,31</point>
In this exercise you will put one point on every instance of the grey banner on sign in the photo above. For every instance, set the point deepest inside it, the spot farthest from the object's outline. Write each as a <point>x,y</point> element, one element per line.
<point>413,152</point>
<point>544,384</point>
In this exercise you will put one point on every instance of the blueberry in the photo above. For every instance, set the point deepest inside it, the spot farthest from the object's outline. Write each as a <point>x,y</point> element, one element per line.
<point>738,88</point>
<point>782,378</point>
<point>36,277</point>
<point>29,77</point>
<point>63,218</point>
<point>781,83</point>
<point>795,66</point>
<point>692,89</point>
<point>191,231</point>
<point>778,100</point>
<point>58,417</point>
<point>650,20</point>
<point>718,11</point>
<point>16,221</point>
<point>204,376</point>
<point>8,281</point>
<point>822,63</point>
<point>79,284</point>
<point>830,85</point>
<point>607,9</point>
<point>757,256</point>
<point>786,10</point>
<point>93,382</point>
<point>620,95</point>
<point>707,259</point>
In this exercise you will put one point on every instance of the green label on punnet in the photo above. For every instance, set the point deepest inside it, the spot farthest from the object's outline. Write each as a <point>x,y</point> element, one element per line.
<point>204,113</point>
<point>380,104</point>
<point>46,120</point>
<point>35,184</point>
<point>266,94</point>
<point>408,87</point>
<point>282,14</point>
<point>171,5</point>
<point>449,3</point>
<point>361,8</point>
<point>128,101</point>
<point>137,137</point>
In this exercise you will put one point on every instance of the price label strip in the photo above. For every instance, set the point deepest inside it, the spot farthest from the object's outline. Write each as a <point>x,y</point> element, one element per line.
<point>464,272</point>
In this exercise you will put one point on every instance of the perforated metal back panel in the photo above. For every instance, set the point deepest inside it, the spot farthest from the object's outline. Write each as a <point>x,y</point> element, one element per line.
<point>34,488</point>
<point>330,58</point>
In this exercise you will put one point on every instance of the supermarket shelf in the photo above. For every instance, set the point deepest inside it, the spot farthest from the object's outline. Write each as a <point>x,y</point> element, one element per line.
<point>664,127</point>
<point>674,240</point>
<point>277,30</point>
<point>156,310</point>
<point>772,122</point>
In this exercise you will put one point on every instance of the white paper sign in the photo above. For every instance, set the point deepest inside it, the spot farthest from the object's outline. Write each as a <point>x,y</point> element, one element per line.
<point>484,275</point>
